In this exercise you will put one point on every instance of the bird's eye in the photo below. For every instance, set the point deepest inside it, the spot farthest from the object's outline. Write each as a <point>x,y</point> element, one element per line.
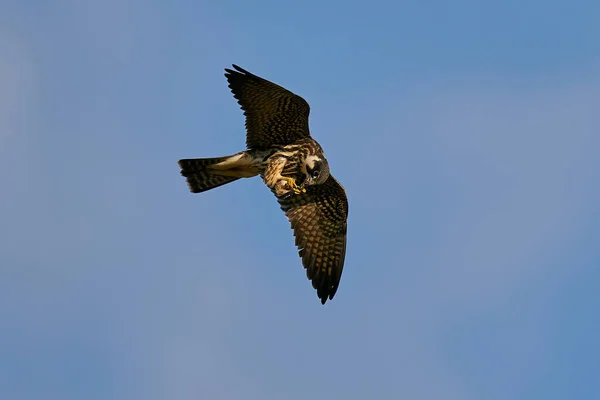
<point>315,174</point>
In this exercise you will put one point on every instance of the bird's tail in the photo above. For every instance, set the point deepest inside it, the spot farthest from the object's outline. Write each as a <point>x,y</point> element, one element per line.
<point>204,174</point>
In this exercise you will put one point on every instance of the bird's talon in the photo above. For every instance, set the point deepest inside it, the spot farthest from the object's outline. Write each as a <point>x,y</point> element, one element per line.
<point>293,186</point>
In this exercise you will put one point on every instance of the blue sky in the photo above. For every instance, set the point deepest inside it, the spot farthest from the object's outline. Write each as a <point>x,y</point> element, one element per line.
<point>465,134</point>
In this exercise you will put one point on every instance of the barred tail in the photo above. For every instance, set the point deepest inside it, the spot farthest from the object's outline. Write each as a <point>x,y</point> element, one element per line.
<point>200,178</point>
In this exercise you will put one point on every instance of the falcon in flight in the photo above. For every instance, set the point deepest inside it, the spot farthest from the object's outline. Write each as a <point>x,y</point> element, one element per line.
<point>292,164</point>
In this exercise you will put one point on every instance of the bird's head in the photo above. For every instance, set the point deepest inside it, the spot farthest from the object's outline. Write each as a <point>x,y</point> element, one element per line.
<point>317,170</point>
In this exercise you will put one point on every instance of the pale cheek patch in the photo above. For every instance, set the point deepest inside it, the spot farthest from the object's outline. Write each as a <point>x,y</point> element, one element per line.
<point>311,160</point>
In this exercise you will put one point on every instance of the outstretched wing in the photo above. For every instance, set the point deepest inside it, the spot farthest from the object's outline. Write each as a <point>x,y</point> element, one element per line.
<point>318,218</point>
<point>274,115</point>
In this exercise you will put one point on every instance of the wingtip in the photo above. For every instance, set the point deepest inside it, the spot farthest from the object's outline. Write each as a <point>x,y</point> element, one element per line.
<point>326,296</point>
<point>238,70</point>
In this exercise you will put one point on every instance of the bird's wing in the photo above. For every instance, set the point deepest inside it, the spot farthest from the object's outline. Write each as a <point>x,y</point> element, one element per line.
<point>318,218</point>
<point>274,115</point>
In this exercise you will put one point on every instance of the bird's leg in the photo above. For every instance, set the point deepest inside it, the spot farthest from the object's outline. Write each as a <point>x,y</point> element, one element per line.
<point>278,183</point>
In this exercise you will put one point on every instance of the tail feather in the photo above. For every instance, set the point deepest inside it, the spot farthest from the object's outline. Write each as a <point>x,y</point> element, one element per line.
<point>199,178</point>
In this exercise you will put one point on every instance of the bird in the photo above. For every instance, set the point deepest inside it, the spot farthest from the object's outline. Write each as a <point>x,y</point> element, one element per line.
<point>280,149</point>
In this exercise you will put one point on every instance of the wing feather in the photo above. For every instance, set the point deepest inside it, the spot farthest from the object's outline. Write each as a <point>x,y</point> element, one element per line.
<point>319,220</point>
<point>274,115</point>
